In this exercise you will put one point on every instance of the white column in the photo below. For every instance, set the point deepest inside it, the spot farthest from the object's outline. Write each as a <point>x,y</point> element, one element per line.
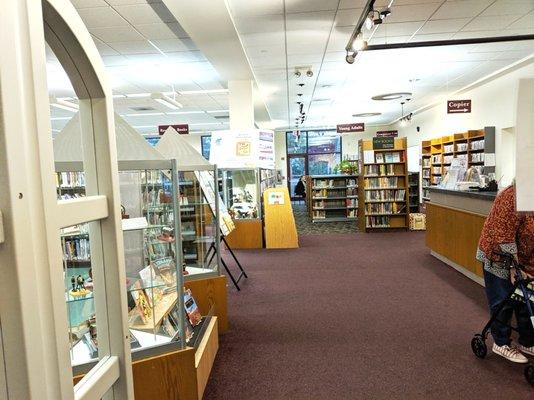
<point>241,101</point>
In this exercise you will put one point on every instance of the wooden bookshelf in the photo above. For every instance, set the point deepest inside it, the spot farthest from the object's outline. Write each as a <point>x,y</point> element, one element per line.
<point>414,192</point>
<point>437,155</point>
<point>383,187</point>
<point>334,198</point>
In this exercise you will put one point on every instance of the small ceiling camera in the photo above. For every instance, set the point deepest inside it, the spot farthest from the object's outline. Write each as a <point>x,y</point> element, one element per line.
<point>309,73</point>
<point>297,74</point>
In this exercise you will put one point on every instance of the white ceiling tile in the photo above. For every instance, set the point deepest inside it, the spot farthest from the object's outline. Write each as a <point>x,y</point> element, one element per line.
<point>443,26</point>
<point>101,17</point>
<point>140,13</point>
<point>461,9</point>
<point>88,3</point>
<point>169,45</point>
<point>247,8</point>
<point>116,34</point>
<point>490,23</point>
<point>263,39</point>
<point>389,40</point>
<point>159,31</point>
<point>339,38</point>
<point>264,23</point>
<point>137,47</point>
<point>127,2</point>
<point>103,48</point>
<point>344,4</point>
<point>508,7</point>
<point>348,17</point>
<point>527,22</point>
<point>114,60</point>
<point>407,13</point>
<point>296,6</point>
<point>310,21</point>
<point>398,29</point>
<point>186,56</point>
<point>433,36</point>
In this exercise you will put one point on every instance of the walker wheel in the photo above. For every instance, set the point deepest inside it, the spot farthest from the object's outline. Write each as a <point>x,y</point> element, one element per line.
<point>529,374</point>
<point>478,345</point>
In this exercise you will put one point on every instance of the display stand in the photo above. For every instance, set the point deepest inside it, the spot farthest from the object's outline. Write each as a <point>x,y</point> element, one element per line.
<point>383,184</point>
<point>150,194</point>
<point>242,274</point>
<point>280,227</point>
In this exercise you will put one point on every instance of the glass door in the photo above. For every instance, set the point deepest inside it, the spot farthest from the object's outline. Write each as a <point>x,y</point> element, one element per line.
<point>296,168</point>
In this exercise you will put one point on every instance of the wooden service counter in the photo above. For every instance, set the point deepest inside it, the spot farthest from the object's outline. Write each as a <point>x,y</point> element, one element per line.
<point>454,221</point>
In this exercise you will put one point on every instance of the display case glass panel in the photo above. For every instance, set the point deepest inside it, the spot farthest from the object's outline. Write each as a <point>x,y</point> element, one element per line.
<point>241,193</point>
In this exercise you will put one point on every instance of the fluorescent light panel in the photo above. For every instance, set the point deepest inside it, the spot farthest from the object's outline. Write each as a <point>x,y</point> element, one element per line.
<point>208,91</point>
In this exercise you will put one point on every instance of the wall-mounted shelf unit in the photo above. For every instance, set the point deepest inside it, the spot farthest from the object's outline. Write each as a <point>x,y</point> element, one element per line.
<point>437,154</point>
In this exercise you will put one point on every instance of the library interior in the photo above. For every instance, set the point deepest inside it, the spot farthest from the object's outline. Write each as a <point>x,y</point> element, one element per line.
<point>266,199</point>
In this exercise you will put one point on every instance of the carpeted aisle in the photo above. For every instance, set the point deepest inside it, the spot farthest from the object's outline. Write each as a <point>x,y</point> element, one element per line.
<point>357,316</point>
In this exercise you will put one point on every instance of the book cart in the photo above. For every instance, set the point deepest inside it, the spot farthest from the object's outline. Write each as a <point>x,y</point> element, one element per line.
<point>333,198</point>
<point>168,324</point>
<point>383,194</point>
<point>437,154</point>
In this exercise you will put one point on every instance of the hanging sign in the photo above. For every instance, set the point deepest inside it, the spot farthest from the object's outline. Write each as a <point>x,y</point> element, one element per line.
<point>345,128</point>
<point>383,143</point>
<point>387,133</point>
<point>182,129</point>
<point>458,106</point>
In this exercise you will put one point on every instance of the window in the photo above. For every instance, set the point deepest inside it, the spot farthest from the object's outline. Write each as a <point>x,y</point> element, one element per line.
<point>311,153</point>
<point>205,142</point>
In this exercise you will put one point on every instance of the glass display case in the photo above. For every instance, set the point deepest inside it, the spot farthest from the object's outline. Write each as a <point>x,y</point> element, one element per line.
<point>243,188</point>
<point>162,315</point>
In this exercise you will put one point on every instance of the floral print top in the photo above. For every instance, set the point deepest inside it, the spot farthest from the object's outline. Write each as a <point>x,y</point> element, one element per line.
<point>506,231</point>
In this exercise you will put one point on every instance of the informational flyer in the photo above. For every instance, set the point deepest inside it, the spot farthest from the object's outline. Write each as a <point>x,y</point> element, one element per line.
<point>250,148</point>
<point>276,198</point>
<point>206,181</point>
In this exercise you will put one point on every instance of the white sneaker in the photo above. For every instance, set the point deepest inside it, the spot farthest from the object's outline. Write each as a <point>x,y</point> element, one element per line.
<point>526,350</point>
<point>511,353</point>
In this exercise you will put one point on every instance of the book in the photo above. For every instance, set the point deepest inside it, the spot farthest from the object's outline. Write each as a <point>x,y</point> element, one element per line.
<point>191,308</point>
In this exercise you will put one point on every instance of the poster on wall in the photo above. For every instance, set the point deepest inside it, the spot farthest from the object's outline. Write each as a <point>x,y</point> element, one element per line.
<point>206,181</point>
<point>252,148</point>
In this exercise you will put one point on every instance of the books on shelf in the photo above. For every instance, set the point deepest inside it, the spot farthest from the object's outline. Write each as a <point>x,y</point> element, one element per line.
<point>461,147</point>
<point>379,170</point>
<point>477,157</point>
<point>385,208</point>
<point>448,148</point>
<point>385,195</point>
<point>477,145</point>
<point>436,159</point>
<point>333,197</point>
<point>384,182</point>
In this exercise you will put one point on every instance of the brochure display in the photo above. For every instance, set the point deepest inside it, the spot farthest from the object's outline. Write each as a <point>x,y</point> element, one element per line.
<point>280,227</point>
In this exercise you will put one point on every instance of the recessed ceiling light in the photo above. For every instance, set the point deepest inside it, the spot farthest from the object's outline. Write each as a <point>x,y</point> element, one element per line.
<point>391,96</point>
<point>322,99</point>
<point>369,114</point>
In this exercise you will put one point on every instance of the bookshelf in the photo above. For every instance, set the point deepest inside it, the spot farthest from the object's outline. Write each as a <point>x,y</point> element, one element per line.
<point>383,185</point>
<point>437,154</point>
<point>413,181</point>
<point>334,198</point>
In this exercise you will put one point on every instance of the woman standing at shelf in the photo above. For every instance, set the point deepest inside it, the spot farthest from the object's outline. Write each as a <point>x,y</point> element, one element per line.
<point>300,188</point>
<point>506,231</point>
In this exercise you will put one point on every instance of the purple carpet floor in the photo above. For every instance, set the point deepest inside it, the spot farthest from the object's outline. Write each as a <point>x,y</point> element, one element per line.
<point>357,316</point>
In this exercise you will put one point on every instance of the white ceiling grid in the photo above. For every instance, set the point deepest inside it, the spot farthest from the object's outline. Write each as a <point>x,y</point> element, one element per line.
<point>145,50</point>
<point>318,30</point>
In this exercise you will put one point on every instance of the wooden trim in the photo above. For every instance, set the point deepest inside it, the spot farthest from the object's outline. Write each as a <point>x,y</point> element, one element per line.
<point>460,211</point>
<point>205,356</point>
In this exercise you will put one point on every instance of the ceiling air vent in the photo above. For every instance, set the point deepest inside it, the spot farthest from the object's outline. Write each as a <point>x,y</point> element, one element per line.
<point>142,108</point>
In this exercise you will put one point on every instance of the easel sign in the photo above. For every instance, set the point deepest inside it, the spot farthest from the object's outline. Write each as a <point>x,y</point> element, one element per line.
<point>206,181</point>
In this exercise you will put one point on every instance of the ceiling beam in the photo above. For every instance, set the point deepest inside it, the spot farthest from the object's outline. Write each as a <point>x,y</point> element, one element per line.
<point>210,25</point>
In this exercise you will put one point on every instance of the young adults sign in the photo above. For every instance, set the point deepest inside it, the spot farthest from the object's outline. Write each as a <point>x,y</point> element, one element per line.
<point>182,129</point>
<point>346,128</point>
<point>458,106</point>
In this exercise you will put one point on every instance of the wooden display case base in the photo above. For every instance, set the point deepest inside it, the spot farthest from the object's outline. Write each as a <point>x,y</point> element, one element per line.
<point>212,298</point>
<point>180,375</point>
<point>248,234</point>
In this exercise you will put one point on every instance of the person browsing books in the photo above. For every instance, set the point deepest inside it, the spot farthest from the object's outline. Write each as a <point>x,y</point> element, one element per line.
<point>507,231</point>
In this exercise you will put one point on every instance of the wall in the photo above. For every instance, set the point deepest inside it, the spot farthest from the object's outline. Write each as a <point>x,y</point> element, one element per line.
<point>493,104</point>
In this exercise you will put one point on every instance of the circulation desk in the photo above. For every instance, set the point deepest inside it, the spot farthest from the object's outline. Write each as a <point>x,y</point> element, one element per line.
<point>454,221</point>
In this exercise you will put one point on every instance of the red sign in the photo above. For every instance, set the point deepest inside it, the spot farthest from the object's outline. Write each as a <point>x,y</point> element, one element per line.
<point>357,127</point>
<point>458,106</point>
<point>387,133</point>
<point>182,129</point>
